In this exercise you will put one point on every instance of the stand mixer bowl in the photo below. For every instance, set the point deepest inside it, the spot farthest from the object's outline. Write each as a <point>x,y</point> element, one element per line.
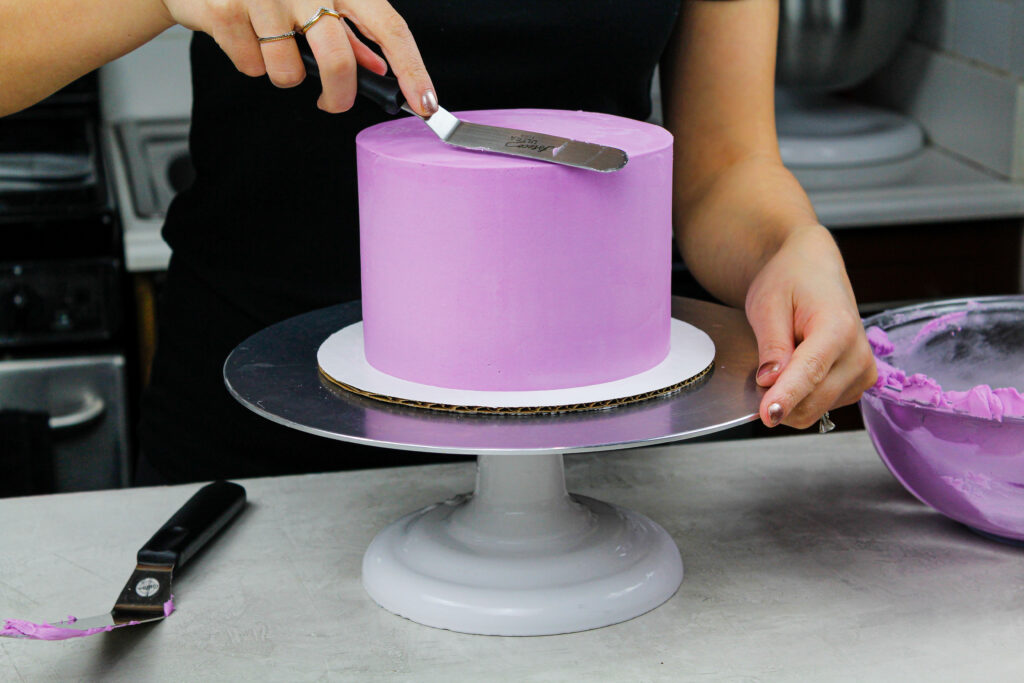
<point>968,467</point>
<point>827,45</point>
<point>835,44</point>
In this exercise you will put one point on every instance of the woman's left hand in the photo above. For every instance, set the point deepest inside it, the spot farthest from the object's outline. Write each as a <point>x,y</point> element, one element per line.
<point>813,353</point>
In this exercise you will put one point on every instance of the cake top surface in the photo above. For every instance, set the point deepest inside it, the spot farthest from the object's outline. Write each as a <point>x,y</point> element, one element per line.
<point>410,139</point>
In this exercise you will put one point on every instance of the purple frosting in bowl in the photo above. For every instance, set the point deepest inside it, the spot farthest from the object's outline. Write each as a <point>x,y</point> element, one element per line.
<point>947,413</point>
<point>978,401</point>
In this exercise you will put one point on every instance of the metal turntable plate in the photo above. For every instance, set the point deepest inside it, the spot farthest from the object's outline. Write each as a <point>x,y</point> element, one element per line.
<point>275,374</point>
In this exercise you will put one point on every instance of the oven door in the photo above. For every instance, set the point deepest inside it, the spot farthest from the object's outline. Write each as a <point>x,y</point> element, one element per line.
<point>63,425</point>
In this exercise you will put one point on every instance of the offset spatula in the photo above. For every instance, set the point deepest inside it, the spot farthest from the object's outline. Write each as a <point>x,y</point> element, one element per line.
<point>384,91</point>
<point>147,595</point>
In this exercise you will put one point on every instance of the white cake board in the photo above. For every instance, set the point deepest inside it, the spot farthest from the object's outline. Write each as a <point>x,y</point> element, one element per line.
<point>343,359</point>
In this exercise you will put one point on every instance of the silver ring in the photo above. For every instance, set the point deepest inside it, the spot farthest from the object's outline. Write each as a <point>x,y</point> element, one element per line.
<point>825,424</point>
<point>317,16</point>
<point>282,36</point>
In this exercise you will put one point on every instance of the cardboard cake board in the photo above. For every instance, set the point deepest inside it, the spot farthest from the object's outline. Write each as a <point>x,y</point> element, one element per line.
<point>690,360</point>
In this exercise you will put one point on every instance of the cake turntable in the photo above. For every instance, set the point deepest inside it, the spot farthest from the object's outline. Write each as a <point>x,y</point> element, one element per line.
<point>520,555</point>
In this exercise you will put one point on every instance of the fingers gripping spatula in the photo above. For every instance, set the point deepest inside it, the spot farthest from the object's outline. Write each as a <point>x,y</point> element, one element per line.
<point>147,595</point>
<point>384,91</point>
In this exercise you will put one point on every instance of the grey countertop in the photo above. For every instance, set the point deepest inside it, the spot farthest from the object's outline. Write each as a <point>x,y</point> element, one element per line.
<point>805,560</point>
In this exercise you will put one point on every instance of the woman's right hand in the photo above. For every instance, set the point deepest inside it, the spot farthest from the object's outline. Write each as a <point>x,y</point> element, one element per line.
<point>236,25</point>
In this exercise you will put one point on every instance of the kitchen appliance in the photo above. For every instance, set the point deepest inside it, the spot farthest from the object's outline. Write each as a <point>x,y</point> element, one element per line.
<point>147,595</point>
<point>62,368</point>
<point>827,46</point>
<point>66,426</point>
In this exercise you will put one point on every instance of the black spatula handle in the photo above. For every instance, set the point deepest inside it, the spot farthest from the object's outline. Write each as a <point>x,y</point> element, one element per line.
<point>381,90</point>
<point>195,523</point>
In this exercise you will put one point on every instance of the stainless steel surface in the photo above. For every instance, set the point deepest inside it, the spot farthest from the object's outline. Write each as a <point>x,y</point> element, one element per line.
<point>523,143</point>
<point>85,399</point>
<point>48,157</point>
<point>275,374</point>
<point>835,44</point>
<point>45,167</point>
<point>90,407</point>
<point>101,621</point>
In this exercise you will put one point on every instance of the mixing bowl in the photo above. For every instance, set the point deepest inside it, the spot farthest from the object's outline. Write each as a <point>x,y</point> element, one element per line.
<point>835,44</point>
<point>964,460</point>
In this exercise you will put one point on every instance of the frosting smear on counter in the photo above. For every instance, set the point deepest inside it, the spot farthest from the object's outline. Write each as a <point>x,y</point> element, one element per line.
<point>980,401</point>
<point>18,628</point>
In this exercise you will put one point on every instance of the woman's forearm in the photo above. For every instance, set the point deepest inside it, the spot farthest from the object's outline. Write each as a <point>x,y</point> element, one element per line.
<point>734,202</point>
<point>46,44</point>
<point>739,221</point>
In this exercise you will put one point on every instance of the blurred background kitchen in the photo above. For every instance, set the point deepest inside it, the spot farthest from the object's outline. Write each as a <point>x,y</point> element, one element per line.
<point>904,119</point>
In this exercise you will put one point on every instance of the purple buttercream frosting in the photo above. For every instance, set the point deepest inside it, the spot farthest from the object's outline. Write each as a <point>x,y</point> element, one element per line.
<point>18,628</point>
<point>981,401</point>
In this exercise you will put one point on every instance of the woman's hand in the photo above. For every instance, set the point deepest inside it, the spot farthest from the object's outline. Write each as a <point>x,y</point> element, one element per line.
<point>237,25</point>
<point>813,353</point>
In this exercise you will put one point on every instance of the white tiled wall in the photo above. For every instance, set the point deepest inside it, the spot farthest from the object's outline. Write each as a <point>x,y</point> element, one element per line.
<point>980,31</point>
<point>986,31</point>
<point>962,76</point>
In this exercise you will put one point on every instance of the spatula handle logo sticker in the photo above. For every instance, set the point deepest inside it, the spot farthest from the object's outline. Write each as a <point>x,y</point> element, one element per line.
<point>147,587</point>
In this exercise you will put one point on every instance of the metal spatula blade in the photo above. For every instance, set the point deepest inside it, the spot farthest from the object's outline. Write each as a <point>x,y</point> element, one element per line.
<point>384,92</point>
<point>70,627</point>
<point>523,143</point>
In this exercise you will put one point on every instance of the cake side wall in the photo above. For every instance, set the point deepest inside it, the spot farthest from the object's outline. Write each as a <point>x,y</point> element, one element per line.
<point>516,278</point>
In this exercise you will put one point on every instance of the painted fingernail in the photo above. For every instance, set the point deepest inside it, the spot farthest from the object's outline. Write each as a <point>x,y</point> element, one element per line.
<point>775,414</point>
<point>429,102</point>
<point>767,368</point>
